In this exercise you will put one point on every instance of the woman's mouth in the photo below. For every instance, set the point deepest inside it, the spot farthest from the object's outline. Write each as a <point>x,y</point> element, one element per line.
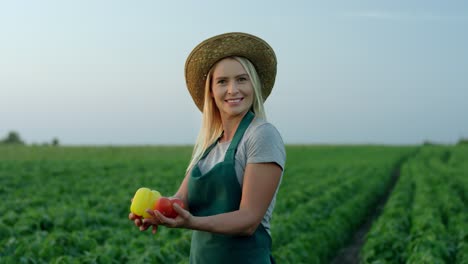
<point>234,101</point>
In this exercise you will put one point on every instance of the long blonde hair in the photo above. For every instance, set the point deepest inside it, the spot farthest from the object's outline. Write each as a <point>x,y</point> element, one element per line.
<point>212,126</point>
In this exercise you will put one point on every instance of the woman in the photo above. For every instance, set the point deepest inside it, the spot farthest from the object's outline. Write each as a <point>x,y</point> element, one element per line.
<point>238,159</point>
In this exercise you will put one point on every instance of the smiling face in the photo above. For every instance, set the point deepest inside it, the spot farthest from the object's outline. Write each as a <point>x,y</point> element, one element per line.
<point>231,88</point>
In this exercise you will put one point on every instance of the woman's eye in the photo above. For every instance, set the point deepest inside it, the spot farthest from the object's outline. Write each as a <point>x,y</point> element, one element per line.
<point>221,82</point>
<point>242,79</point>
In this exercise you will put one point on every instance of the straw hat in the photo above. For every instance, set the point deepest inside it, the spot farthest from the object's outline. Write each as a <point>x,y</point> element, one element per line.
<point>210,51</point>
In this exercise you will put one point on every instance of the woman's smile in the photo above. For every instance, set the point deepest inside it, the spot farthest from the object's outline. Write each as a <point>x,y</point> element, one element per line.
<point>234,102</point>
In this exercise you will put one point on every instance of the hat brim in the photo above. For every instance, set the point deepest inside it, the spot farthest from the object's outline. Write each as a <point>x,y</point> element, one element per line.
<point>212,50</point>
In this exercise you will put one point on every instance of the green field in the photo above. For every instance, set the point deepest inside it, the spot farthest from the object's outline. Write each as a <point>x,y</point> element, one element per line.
<point>70,204</point>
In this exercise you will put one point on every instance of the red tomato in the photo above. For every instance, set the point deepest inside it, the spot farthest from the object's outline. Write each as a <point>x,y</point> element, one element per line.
<point>165,206</point>
<point>179,202</point>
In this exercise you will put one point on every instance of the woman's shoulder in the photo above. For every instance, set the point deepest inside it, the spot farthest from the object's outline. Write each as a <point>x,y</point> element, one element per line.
<point>260,126</point>
<point>261,131</point>
<point>263,143</point>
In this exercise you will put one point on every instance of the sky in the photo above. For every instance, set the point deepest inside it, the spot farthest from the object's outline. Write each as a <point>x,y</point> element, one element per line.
<point>101,72</point>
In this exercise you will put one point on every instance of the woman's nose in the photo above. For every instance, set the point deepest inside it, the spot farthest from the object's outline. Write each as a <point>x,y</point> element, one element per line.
<point>232,88</point>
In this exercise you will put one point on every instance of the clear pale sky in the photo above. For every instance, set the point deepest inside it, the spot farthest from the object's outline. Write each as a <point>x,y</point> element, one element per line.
<point>112,72</point>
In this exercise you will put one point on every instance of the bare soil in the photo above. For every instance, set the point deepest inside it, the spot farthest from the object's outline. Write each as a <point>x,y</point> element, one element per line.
<point>350,253</point>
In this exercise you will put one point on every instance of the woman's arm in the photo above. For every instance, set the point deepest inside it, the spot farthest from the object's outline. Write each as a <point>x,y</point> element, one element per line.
<point>183,189</point>
<point>260,183</point>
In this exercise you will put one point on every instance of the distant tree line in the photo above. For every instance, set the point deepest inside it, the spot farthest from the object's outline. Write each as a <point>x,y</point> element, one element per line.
<point>461,141</point>
<point>14,138</point>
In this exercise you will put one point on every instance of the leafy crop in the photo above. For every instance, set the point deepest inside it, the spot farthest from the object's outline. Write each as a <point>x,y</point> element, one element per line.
<point>70,204</point>
<point>425,220</point>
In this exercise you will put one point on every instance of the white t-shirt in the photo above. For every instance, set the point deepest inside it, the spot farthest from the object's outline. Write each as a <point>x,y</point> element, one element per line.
<point>261,143</point>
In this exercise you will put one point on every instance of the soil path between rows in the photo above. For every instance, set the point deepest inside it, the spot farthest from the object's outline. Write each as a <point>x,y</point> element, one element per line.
<point>350,253</point>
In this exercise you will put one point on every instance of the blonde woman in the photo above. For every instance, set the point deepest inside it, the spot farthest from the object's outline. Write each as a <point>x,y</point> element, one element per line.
<point>238,159</point>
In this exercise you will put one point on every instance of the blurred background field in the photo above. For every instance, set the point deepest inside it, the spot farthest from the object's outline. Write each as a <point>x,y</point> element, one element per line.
<point>70,204</point>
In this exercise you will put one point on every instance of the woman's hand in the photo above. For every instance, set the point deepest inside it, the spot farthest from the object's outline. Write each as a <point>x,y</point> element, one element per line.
<point>184,220</point>
<point>144,224</point>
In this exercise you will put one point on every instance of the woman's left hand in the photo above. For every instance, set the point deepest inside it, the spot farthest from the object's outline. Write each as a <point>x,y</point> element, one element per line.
<point>184,220</point>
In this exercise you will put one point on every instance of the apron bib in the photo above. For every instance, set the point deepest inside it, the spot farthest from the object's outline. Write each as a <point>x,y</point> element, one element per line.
<point>218,191</point>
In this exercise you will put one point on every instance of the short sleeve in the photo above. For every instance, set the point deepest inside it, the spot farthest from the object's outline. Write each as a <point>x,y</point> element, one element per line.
<point>266,145</point>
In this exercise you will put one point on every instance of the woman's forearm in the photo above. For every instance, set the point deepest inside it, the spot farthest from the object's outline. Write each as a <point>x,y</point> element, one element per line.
<point>241,222</point>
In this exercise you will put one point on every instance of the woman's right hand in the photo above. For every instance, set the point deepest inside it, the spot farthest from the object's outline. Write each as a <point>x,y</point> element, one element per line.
<point>144,224</point>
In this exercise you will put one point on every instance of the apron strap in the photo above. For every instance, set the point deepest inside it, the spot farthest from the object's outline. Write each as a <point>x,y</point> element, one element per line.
<point>244,124</point>
<point>209,149</point>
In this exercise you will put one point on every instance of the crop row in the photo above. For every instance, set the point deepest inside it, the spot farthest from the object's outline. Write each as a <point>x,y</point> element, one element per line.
<point>71,204</point>
<point>65,205</point>
<point>328,205</point>
<point>425,219</point>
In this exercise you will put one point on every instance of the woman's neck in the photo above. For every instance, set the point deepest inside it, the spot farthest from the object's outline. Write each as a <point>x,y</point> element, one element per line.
<point>230,125</point>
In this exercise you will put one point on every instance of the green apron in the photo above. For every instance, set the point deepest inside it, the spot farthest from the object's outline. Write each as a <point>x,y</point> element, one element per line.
<point>218,191</point>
